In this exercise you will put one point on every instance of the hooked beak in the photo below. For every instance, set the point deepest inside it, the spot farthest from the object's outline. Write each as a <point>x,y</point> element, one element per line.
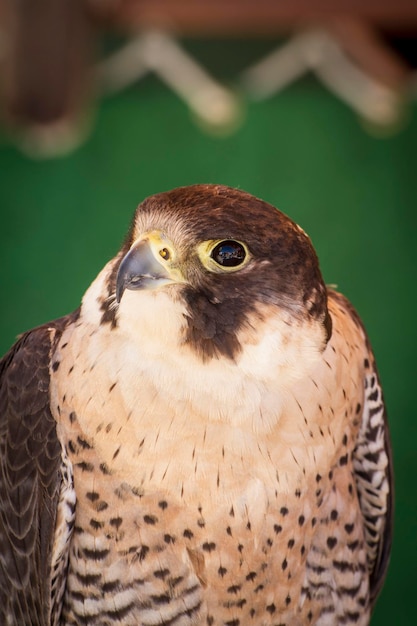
<point>141,269</point>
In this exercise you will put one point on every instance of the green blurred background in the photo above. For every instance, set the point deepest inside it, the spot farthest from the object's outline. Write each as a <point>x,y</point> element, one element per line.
<point>303,151</point>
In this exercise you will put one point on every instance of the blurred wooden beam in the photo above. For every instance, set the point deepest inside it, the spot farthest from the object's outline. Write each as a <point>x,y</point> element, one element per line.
<point>46,61</point>
<point>362,42</point>
<point>250,17</point>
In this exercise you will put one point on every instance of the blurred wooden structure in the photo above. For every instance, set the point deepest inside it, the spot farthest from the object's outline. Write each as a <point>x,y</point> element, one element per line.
<point>47,60</point>
<point>252,17</point>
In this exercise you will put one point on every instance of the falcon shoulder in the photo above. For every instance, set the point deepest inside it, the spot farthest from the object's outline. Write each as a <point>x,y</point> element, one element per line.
<point>35,484</point>
<point>372,465</point>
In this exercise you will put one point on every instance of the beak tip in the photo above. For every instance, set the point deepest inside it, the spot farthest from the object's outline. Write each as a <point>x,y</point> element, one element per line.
<point>120,286</point>
<point>139,269</point>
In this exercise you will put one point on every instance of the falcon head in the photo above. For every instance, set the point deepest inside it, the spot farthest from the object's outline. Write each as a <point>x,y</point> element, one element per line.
<point>222,263</point>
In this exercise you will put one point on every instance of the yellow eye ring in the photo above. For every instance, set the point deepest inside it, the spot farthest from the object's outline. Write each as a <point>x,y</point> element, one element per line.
<point>223,255</point>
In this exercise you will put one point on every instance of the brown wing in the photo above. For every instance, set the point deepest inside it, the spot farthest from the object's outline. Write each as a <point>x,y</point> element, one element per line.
<point>30,478</point>
<point>373,471</point>
<point>372,462</point>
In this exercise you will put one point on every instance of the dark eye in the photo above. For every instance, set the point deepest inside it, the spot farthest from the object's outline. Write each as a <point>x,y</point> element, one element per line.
<point>228,253</point>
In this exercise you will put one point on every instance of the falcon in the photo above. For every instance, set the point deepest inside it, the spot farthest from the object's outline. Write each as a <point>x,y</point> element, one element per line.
<point>203,442</point>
